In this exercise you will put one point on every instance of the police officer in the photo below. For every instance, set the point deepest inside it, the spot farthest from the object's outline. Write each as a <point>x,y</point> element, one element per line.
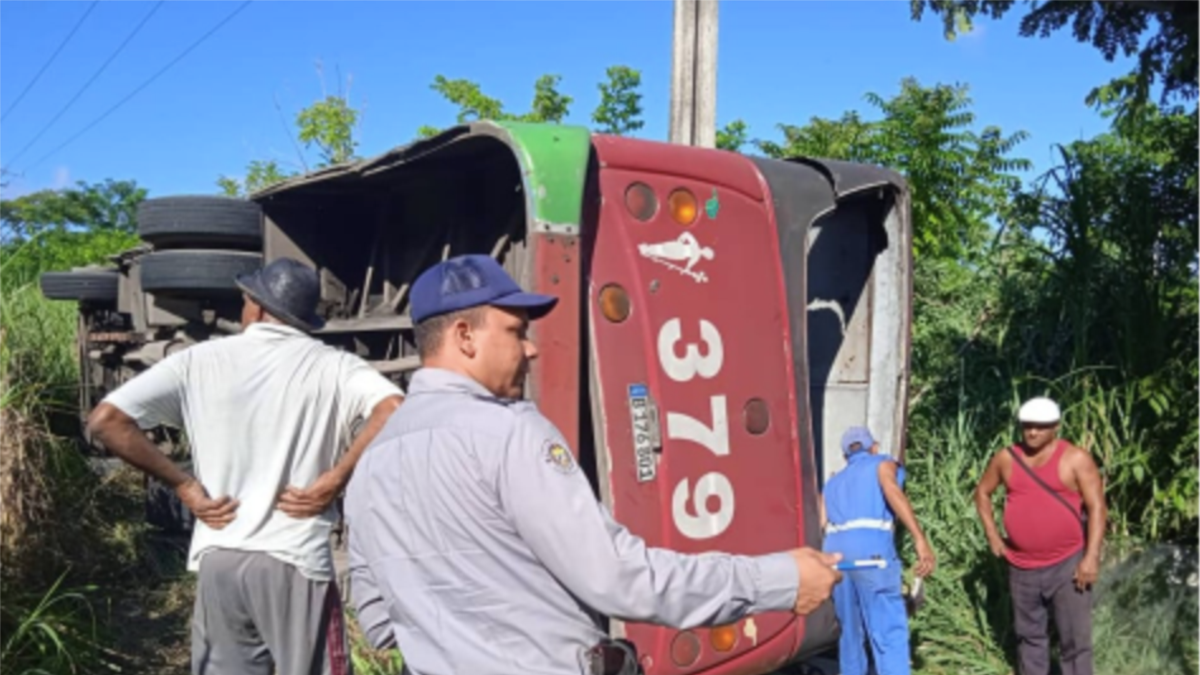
<point>476,541</point>
<point>861,504</point>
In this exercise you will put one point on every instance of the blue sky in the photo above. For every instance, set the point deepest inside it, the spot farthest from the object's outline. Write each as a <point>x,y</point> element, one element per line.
<point>214,111</point>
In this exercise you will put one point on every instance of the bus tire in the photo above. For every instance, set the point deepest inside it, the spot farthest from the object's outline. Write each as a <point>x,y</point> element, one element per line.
<point>200,221</point>
<point>196,273</point>
<point>90,285</point>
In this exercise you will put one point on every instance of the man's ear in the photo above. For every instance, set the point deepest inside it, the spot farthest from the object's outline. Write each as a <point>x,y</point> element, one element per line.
<point>464,337</point>
<point>251,309</point>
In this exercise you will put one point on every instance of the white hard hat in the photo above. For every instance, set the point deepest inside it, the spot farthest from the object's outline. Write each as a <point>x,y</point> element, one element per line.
<point>1040,410</point>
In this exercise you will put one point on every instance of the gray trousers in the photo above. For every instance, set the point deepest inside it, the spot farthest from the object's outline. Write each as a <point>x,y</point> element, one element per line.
<point>255,613</point>
<point>1034,592</point>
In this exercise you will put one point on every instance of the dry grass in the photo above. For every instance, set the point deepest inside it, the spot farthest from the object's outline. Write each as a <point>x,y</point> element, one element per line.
<point>23,498</point>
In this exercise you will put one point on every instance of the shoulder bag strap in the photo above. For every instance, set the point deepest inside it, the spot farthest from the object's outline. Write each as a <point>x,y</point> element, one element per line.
<point>1038,479</point>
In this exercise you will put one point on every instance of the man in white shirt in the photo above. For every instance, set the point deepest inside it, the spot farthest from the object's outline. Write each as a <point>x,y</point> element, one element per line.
<point>265,412</point>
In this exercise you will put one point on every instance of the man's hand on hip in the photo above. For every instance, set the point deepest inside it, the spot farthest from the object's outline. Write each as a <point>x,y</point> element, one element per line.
<point>313,500</point>
<point>817,578</point>
<point>216,513</point>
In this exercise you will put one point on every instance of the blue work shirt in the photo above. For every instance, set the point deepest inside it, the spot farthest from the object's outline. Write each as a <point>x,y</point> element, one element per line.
<point>861,524</point>
<point>477,544</point>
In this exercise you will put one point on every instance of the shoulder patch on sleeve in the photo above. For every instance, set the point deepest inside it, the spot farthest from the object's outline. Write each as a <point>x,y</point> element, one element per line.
<point>559,457</point>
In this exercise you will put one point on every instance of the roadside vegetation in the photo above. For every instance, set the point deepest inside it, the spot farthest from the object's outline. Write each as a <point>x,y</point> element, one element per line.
<point>1081,284</point>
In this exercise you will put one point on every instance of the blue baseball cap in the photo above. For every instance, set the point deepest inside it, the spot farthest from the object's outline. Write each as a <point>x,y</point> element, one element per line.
<point>470,281</point>
<point>860,435</point>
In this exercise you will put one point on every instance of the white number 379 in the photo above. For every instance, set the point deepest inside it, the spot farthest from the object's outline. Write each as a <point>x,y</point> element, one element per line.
<point>690,505</point>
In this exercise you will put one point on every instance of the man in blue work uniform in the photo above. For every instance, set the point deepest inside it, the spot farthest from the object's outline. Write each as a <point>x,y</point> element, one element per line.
<point>862,502</point>
<point>477,544</point>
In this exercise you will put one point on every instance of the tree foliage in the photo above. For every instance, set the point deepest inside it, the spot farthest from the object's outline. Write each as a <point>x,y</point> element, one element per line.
<point>620,109</point>
<point>618,112</point>
<point>1166,57</point>
<point>62,229</point>
<point>961,178</point>
<point>107,205</point>
<point>733,136</point>
<point>330,125</point>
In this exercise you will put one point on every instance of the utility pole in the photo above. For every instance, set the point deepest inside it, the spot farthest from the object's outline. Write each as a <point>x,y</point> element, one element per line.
<point>694,74</point>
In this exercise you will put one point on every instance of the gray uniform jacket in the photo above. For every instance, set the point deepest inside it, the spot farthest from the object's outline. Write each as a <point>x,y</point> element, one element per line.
<point>478,546</point>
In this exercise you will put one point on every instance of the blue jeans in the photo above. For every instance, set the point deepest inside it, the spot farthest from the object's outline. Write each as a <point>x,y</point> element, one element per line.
<point>871,599</point>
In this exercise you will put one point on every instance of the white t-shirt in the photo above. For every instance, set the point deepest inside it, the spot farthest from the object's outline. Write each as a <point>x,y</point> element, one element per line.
<point>262,410</point>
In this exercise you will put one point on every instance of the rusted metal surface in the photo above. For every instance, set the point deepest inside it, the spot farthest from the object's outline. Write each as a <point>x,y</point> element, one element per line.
<point>554,375</point>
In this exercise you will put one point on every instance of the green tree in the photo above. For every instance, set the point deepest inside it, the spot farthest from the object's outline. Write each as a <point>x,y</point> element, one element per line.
<point>733,136</point>
<point>620,109</point>
<point>1167,56</point>
<point>961,179</point>
<point>107,205</point>
<point>259,175</point>
<point>61,229</point>
<point>330,125</point>
<point>549,104</point>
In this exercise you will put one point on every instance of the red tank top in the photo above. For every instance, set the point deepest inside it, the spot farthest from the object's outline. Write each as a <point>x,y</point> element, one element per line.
<point>1041,531</point>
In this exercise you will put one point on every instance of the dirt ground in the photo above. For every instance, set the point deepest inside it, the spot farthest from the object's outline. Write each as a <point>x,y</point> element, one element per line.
<point>151,624</point>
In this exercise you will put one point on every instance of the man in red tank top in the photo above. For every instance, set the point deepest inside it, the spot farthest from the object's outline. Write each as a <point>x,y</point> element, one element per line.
<point>1052,560</point>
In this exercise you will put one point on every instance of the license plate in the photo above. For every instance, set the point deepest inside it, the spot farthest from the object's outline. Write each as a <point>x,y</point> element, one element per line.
<point>646,436</point>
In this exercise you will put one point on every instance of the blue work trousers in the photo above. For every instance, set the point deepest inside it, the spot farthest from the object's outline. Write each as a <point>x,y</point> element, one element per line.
<point>870,600</point>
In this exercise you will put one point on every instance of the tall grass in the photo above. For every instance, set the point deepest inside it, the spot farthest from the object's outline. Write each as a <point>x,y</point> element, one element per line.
<point>965,627</point>
<point>60,539</point>
<point>46,488</point>
<point>1145,618</point>
<point>51,632</point>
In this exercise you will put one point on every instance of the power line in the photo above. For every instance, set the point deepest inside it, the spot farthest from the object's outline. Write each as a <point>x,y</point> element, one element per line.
<point>49,60</point>
<point>87,84</point>
<point>143,85</point>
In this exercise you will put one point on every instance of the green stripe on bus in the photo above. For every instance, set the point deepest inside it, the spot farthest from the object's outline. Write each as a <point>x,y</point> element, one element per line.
<point>554,162</point>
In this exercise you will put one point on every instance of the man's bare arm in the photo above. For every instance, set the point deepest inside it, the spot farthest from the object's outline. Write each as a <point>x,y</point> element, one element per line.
<point>313,500</point>
<point>1091,489</point>
<point>119,433</point>
<point>983,503</point>
<point>898,501</point>
<point>121,436</point>
<point>379,417</point>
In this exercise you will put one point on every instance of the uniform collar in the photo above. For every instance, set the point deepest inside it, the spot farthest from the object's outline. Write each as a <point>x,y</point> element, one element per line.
<point>267,329</point>
<point>858,455</point>
<point>441,381</point>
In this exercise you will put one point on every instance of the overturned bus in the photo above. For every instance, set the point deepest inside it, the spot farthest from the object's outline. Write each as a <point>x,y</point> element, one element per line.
<point>722,319</point>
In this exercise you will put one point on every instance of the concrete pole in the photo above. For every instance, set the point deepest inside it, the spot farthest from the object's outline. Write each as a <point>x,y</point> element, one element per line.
<point>694,73</point>
<point>683,71</point>
<point>704,126</point>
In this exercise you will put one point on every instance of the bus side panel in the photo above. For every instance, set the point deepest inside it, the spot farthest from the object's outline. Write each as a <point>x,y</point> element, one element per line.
<point>553,377</point>
<point>800,194</point>
<point>684,380</point>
